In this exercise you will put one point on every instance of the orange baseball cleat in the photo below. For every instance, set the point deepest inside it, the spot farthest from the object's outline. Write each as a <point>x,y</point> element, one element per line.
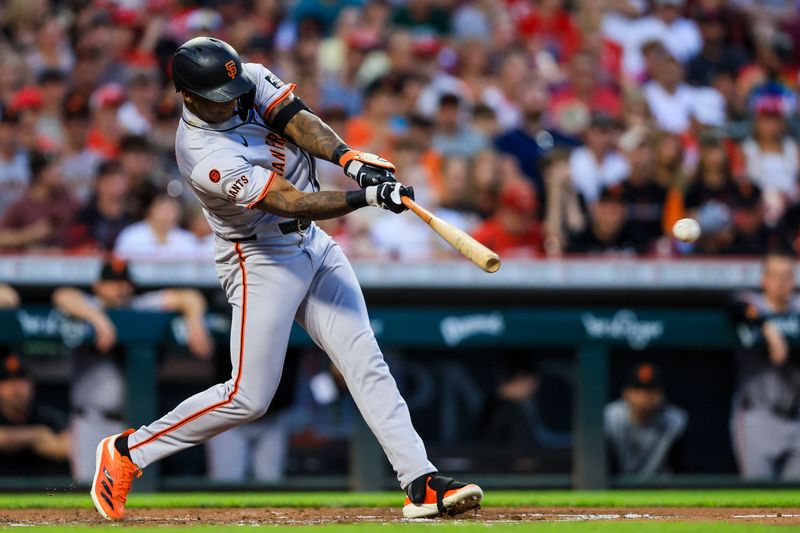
<point>112,478</point>
<point>434,495</point>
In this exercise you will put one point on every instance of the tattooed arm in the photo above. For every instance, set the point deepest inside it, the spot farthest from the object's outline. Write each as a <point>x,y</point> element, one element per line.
<point>284,200</point>
<point>309,132</point>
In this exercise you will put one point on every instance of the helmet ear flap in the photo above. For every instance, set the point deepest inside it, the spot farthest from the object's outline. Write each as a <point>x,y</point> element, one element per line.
<point>246,103</point>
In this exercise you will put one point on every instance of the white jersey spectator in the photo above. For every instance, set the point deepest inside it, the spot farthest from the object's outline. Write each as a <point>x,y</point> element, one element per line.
<point>678,35</point>
<point>597,165</point>
<point>590,175</point>
<point>158,235</point>
<point>671,101</point>
<point>773,170</point>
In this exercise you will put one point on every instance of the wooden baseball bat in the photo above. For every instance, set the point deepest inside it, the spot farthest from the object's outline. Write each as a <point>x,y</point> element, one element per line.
<point>466,245</point>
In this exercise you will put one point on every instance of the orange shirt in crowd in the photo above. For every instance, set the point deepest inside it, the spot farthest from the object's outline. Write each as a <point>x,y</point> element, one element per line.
<point>101,144</point>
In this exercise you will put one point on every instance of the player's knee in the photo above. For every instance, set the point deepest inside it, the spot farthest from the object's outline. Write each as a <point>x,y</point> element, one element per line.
<point>250,408</point>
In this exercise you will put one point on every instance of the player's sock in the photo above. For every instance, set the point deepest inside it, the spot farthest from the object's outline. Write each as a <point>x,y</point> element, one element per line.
<point>121,444</point>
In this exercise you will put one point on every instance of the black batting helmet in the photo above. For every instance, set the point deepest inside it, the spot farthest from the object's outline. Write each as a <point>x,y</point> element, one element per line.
<point>210,68</point>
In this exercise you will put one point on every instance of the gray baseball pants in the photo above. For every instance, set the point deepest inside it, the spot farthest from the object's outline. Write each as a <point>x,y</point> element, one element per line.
<point>270,282</point>
<point>766,446</point>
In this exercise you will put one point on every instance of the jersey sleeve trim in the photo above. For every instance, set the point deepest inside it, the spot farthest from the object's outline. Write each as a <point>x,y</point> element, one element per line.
<point>286,92</point>
<point>264,191</point>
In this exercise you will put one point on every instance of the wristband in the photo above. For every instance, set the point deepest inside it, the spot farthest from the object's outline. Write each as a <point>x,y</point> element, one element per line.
<point>356,199</point>
<point>338,153</point>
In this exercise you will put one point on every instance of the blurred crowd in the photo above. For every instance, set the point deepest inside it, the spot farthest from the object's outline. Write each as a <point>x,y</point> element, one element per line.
<point>543,127</point>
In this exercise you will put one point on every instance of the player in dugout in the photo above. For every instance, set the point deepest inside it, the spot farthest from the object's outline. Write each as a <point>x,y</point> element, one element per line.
<point>246,145</point>
<point>765,424</point>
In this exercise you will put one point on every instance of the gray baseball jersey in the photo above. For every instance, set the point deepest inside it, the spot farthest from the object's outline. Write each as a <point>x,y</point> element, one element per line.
<point>767,399</point>
<point>643,449</point>
<point>272,280</point>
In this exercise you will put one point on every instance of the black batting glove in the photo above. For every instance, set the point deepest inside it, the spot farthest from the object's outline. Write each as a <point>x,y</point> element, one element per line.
<point>389,196</point>
<point>367,169</point>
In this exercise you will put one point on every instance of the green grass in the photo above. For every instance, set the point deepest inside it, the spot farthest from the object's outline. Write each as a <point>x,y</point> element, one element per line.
<point>461,527</point>
<point>640,498</point>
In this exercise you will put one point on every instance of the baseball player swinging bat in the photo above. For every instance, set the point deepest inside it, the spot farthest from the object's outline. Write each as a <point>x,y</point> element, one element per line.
<point>247,147</point>
<point>467,246</point>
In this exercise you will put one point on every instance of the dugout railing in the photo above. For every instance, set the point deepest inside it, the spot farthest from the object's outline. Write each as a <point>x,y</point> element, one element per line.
<point>591,332</point>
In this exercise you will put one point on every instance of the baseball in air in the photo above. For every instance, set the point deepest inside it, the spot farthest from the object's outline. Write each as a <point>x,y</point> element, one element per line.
<point>686,230</point>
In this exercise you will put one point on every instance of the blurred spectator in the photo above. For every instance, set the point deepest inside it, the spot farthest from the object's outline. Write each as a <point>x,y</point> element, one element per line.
<point>138,114</point>
<point>99,223</point>
<point>105,132</point>
<point>513,417</point>
<point>713,179</point>
<point>583,94</point>
<point>645,432</point>
<point>158,236</point>
<point>140,165</point>
<point>52,85</point>
<point>455,206</point>
<point>665,25</point>
<point>751,235</point>
<point>765,424</point>
<point>485,121</point>
<point>450,137</point>
<point>598,164</point>
<point>772,67</point>
<point>718,54</point>
<point>528,143</point>
<point>204,237</point>
<point>549,26</point>
<point>669,160</point>
<point>27,104</point>
<point>564,213</point>
<point>608,230</point>
<point>79,163</point>
<point>371,131</point>
<point>644,197</point>
<point>671,101</point>
<point>41,218</point>
<point>772,159</point>
<point>97,395</point>
<point>34,439</point>
<point>514,229</point>
<point>14,165</point>
<point>712,196</point>
<point>321,11</point>
<point>422,16</point>
<point>51,49</point>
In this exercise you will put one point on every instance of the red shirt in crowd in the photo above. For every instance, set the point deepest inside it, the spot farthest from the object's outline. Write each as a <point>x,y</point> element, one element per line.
<point>602,100</point>
<point>530,243</point>
<point>57,211</point>
<point>556,31</point>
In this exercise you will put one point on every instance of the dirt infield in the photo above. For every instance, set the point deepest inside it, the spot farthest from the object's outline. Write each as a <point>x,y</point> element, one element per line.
<point>297,516</point>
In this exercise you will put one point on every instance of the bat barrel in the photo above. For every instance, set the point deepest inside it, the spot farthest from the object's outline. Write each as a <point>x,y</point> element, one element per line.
<point>476,252</point>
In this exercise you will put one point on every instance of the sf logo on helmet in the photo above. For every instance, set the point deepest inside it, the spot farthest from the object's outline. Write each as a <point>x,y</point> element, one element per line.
<point>230,66</point>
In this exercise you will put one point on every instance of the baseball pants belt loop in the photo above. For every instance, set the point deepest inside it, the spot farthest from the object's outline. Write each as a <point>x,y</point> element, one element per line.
<point>292,226</point>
